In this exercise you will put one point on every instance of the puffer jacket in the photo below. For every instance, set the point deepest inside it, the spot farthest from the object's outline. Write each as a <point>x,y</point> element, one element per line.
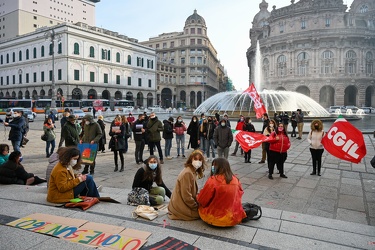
<point>168,130</point>
<point>280,145</point>
<point>16,128</point>
<point>179,128</point>
<point>49,130</point>
<point>154,127</point>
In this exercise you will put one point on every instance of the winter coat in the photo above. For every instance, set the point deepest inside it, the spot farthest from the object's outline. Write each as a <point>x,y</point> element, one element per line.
<point>281,145</point>
<point>220,203</point>
<point>147,184</point>
<point>14,172</point>
<point>193,131</point>
<point>137,133</point>
<point>3,158</point>
<point>183,204</point>
<point>70,133</point>
<point>240,125</point>
<point>117,142</point>
<point>179,128</point>
<point>249,127</point>
<point>223,136</point>
<point>210,129</point>
<point>167,130</point>
<point>154,127</point>
<point>285,119</point>
<point>16,128</point>
<point>316,135</point>
<point>49,130</point>
<point>93,132</point>
<point>102,127</point>
<point>53,160</point>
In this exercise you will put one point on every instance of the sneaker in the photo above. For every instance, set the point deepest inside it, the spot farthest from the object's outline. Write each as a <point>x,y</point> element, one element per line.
<point>169,158</point>
<point>99,188</point>
<point>161,162</point>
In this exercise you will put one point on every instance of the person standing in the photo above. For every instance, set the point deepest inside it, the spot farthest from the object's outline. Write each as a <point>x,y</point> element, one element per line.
<point>249,128</point>
<point>226,118</point>
<point>279,146</point>
<point>139,130</point>
<point>299,119</point>
<point>117,142</point>
<point>63,120</point>
<point>154,127</point>
<point>316,148</point>
<point>285,121</point>
<point>131,120</point>
<point>193,131</point>
<point>201,136</point>
<point>71,131</point>
<point>267,132</point>
<point>103,140</point>
<point>209,138</point>
<point>48,128</point>
<point>16,126</point>
<point>266,122</point>
<point>223,138</point>
<point>124,121</point>
<point>92,134</point>
<point>93,112</point>
<point>239,126</point>
<point>179,129</point>
<point>168,136</point>
<point>294,124</point>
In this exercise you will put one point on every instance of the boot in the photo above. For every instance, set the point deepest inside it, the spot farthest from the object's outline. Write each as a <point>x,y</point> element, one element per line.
<point>122,168</point>
<point>319,171</point>
<point>314,171</point>
<point>116,168</point>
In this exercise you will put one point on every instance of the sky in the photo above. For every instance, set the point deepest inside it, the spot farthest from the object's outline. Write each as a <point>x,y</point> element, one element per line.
<point>228,24</point>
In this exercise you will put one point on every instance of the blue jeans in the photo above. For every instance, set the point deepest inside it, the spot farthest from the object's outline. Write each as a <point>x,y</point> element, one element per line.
<point>167,147</point>
<point>210,144</point>
<point>201,145</point>
<point>48,144</point>
<point>86,188</point>
<point>180,140</point>
<point>16,145</point>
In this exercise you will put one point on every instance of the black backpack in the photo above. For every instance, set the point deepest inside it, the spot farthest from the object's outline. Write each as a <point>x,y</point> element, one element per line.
<point>253,212</point>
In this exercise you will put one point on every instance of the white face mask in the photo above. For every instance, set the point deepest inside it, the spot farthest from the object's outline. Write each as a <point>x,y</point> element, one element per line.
<point>87,123</point>
<point>73,162</point>
<point>196,164</point>
<point>271,125</point>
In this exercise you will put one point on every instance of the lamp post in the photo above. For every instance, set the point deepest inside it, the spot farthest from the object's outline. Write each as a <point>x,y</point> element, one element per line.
<point>52,36</point>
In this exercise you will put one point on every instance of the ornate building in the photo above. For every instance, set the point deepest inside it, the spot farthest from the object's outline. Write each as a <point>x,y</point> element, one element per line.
<point>87,62</point>
<point>318,48</point>
<point>188,70</point>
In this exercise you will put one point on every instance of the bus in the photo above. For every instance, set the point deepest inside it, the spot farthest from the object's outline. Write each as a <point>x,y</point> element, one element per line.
<point>15,103</point>
<point>41,105</point>
<point>124,104</point>
<point>87,104</point>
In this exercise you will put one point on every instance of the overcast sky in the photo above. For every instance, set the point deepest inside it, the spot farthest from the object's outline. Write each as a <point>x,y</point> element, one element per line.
<point>228,24</point>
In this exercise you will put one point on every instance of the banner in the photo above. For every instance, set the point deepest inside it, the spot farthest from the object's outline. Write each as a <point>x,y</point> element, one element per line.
<point>250,140</point>
<point>258,104</point>
<point>345,141</point>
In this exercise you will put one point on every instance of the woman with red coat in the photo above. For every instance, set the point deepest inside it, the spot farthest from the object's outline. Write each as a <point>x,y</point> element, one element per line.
<point>220,199</point>
<point>279,145</point>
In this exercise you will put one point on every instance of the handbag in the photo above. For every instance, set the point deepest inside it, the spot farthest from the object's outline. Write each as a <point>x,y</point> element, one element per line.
<point>251,211</point>
<point>146,212</point>
<point>85,204</point>
<point>139,196</point>
<point>44,137</point>
<point>24,141</point>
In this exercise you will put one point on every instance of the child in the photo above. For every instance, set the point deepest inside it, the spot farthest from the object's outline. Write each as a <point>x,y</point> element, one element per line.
<point>4,153</point>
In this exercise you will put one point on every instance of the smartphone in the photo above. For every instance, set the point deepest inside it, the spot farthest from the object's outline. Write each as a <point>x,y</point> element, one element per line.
<point>76,200</point>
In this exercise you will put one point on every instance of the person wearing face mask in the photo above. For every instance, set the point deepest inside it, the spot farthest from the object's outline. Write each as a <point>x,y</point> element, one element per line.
<point>103,140</point>
<point>117,142</point>
<point>193,132</point>
<point>249,128</point>
<point>220,200</point>
<point>183,204</point>
<point>209,138</point>
<point>65,182</point>
<point>93,133</point>
<point>71,131</point>
<point>267,132</point>
<point>239,126</point>
<point>223,138</point>
<point>202,135</point>
<point>148,174</point>
<point>266,122</point>
<point>49,130</point>
<point>168,136</point>
<point>16,128</point>
<point>316,148</point>
<point>139,132</point>
<point>294,124</point>
<point>154,127</point>
<point>179,129</point>
<point>279,145</point>
<point>63,120</point>
<point>13,172</point>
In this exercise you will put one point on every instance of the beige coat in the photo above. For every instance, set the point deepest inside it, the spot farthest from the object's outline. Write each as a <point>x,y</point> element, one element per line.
<point>183,204</point>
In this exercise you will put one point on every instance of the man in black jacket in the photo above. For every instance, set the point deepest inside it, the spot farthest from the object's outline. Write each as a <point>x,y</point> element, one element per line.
<point>17,125</point>
<point>139,130</point>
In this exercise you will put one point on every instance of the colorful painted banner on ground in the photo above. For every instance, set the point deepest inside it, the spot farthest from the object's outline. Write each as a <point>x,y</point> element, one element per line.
<point>345,141</point>
<point>249,140</point>
<point>88,152</point>
<point>171,243</point>
<point>258,103</point>
<point>83,231</point>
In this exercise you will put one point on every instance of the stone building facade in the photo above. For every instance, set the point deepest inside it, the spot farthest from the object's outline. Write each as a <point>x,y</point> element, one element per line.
<point>188,70</point>
<point>89,62</point>
<point>319,48</point>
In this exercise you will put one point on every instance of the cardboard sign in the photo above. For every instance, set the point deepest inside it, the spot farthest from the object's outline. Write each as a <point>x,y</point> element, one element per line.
<point>83,231</point>
<point>88,152</point>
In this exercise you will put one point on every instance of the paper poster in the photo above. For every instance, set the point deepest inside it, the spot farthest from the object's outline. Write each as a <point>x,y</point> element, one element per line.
<point>88,152</point>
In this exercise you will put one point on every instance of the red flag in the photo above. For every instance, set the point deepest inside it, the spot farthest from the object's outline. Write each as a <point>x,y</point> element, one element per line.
<point>258,104</point>
<point>250,140</point>
<point>345,141</point>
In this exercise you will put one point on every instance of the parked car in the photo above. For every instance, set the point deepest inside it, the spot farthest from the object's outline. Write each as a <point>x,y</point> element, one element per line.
<point>28,112</point>
<point>54,111</point>
<point>368,110</point>
<point>79,114</point>
<point>352,108</point>
<point>333,109</point>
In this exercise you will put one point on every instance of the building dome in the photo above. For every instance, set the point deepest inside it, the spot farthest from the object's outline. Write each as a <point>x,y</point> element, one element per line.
<point>262,15</point>
<point>195,19</point>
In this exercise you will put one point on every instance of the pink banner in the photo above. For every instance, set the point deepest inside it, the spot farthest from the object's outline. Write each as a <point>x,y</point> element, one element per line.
<point>258,103</point>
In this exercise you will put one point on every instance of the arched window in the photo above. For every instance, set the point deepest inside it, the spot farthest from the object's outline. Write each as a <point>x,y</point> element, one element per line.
<point>7,58</point>
<point>109,55</point>
<point>92,51</point>
<point>42,51</point>
<point>351,62</point>
<point>266,67</point>
<point>129,59</point>
<point>34,53</point>
<point>118,57</point>
<point>369,63</point>
<point>14,56</point>
<point>76,49</point>
<point>302,64</point>
<point>51,49</point>
<point>59,48</point>
<point>363,9</point>
<point>1,59</point>
<point>20,55</point>
<point>281,65</point>
<point>327,63</point>
<point>27,54</point>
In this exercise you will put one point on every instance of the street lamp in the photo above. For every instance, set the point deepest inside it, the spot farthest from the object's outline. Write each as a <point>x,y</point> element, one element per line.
<point>52,36</point>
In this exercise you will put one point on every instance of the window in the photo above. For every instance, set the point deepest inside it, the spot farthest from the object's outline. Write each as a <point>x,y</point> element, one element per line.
<point>27,54</point>
<point>118,57</point>
<point>1,80</point>
<point>199,31</point>
<point>1,59</point>
<point>129,81</point>
<point>7,58</point>
<point>281,27</point>
<point>327,63</point>
<point>92,52</point>
<point>303,24</point>
<point>92,76</point>
<point>76,49</point>
<point>192,30</point>
<point>129,59</point>
<point>192,41</point>
<point>42,51</point>
<point>182,60</point>
<point>59,48</point>
<point>35,17</point>
<point>105,78</point>
<point>14,79</point>
<point>109,55</point>
<point>27,78</point>
<point>34,53</point>
<point>149,83</point>
<point>266,67</point>
<point>328,22</point>
<point>281,65</point>
<point>199,41</point>
<point>117,79</point>
<point>182,42</point>
<point>302,64</point>
<point>59,74</point>
<point>51,49</point>
<point>20,56</point>
<point>363,9</point>
<point>7,80</point>
<point>139,82</point>
<point>164,45</point>
<point>157,45</point>
<point>76,75</point>
<point>369,63</point>
<point>42,76</point>
<point>172,44</point>
<point>14,56</point>
<point>50,75</point>
<point>351,62</point>
<point>34,77</point>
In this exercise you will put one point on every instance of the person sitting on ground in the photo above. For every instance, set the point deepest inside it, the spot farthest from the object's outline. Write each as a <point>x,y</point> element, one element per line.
<point>4,153</point>
<point>183,204</point>
<point>220,199</point>
<point>13,172</point>
<point>65,184</point>
<point>147,175</point>
<point>53,160</point>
